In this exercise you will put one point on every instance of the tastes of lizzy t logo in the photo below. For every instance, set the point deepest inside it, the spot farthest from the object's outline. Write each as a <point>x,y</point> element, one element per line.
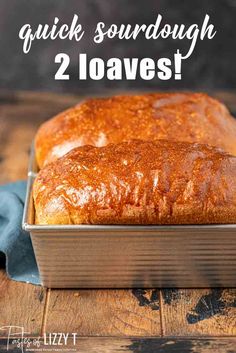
<point>17,337</point>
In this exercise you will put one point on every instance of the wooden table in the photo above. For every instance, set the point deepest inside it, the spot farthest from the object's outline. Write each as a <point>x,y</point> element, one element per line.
<point>139,320</point>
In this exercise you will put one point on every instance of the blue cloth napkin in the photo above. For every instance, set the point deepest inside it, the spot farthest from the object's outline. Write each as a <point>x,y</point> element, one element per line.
<point>15,243</point>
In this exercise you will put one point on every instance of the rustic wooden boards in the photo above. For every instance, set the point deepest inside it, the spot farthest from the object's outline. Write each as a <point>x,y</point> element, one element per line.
<point>104,312</point>
<point>21,305</point>
<point>198,312</point>
<point>139,312</point>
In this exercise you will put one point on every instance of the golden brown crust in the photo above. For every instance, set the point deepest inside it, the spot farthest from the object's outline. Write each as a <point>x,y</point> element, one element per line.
<point>191,117</point>
<point>138,182</point>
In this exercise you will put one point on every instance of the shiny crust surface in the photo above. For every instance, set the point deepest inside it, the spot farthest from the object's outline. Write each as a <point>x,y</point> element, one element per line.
<point>190,117</point>
<point>138,182</point>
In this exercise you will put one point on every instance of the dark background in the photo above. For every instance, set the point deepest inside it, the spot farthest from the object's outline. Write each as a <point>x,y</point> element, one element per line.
<point>211,66</point>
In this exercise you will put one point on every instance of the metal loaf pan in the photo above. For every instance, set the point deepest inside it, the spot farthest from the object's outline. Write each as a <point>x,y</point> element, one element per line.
<point>90,256</point>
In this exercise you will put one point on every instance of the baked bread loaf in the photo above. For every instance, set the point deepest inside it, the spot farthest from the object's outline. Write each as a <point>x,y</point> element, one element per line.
<point>138,182</point>
<point>191,117</point>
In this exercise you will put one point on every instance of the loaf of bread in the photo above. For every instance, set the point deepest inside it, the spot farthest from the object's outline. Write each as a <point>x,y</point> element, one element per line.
<point>138,182</point>
<point>189,117</point>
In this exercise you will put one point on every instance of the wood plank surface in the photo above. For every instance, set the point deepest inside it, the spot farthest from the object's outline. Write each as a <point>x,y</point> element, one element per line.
<point>195,312</point>
<point>103,312</point>
<point>134,345</point>
<point>20,305</point>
